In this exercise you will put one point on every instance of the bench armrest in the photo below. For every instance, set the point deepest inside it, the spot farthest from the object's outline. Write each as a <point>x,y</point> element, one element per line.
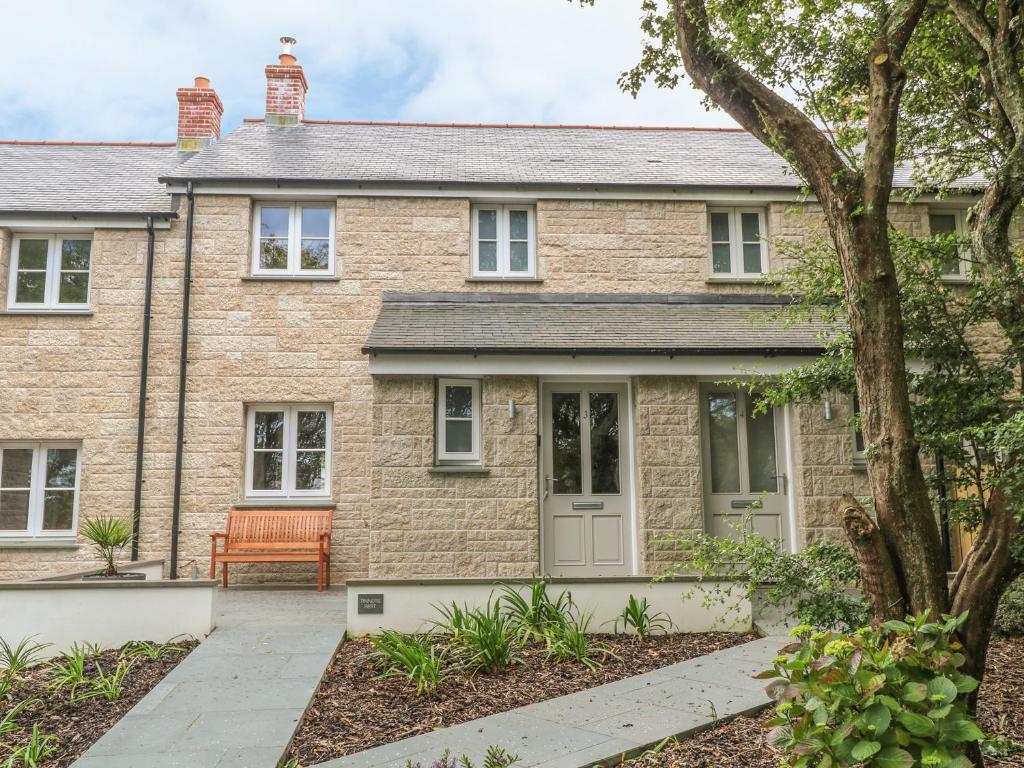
<point>218,535</point>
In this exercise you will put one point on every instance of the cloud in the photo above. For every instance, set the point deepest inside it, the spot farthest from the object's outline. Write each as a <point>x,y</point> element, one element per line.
<point>108,69</point>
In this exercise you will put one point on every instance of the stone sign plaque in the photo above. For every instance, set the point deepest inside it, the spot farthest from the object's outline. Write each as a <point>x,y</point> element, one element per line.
<point>373,603</point>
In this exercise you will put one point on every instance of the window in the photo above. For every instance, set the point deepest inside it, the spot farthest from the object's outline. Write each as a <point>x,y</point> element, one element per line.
<point>50,272</point>
<point>951,223</point>
<point>503,241</point>
<point>737,242</point>
<point>293,239</point>
<point>289,451</point>
<point>860,456</point>
<point>458,420</point>
<point>39,489</point>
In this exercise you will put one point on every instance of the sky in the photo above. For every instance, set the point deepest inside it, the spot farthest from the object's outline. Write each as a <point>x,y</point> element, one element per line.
<point>108,69</point>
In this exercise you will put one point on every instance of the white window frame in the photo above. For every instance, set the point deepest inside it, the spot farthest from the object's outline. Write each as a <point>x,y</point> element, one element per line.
<point>736,243</point>
<point>294,239</point>
<point>51,291</point>
<point>37,490</point>
<point>504,271</point>
<point>473,456</point>
<point>961,231</point>
<point>288,442</point>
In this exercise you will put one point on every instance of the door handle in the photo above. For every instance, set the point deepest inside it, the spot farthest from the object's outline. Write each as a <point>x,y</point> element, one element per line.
<point>547,485</point>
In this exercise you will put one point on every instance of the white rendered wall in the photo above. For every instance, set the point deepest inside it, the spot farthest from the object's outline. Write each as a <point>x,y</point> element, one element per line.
<point>408,607</point>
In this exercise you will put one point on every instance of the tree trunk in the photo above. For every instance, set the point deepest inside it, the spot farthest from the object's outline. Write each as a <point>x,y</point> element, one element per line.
<point>877,573</point>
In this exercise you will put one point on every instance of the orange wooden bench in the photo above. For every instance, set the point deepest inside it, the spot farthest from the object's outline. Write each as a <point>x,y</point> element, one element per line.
<point>275,536</point>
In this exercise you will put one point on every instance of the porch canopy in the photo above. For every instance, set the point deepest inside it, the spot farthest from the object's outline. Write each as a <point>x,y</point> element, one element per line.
<point>589,334</point>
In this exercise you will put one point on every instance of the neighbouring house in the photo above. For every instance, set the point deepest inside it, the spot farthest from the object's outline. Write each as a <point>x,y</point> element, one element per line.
<point>491,350</point>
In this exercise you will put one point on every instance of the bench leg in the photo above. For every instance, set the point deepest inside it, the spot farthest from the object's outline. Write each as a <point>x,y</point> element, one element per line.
<point>213,567</point>
<point>327,565</point>
<point>224,574</point>
<point>320,575</point>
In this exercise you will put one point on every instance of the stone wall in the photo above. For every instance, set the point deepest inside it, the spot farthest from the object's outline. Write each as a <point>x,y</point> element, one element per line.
<point>428,524</point>
<point>259,341</point>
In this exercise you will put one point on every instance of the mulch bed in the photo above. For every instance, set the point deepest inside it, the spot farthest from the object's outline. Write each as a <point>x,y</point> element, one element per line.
<point>355,709</point>
<point>741,742</point>
<point>78,725</point>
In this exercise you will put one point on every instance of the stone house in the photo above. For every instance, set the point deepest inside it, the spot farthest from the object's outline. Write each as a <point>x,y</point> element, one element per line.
<point>491,350</point>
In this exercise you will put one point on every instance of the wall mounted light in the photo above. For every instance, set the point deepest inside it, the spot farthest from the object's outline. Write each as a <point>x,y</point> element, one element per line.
<point>511,409</point>
<point>826,409</point>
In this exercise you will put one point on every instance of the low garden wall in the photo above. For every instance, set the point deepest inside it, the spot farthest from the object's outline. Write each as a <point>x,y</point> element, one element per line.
<point>64,610</point>
<point>407,605</point>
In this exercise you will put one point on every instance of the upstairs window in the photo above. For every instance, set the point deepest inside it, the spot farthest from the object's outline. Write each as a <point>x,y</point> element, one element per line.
<point>288,451</point>
<point>293,239</point>
<point>737,242</point>
<point>50,272</point>
<point>458,421</point>
<point>504,241</point>
<point>39,489</point>
<point>955,264</point>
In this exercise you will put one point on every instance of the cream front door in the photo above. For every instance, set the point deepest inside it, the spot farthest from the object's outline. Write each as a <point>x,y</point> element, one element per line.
<point>745,482</point>
<point>585,487</point>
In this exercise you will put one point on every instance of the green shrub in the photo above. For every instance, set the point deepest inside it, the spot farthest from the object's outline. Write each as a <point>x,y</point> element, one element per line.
<point>567,640</point>
<point>15,659</point>
<point>488,641</point>
<point>1010,614</point>
<point>31,754</point>
<point>889,698</point>
<point>109,534</point>
<point>819,586</point>
<point>151,651</point>
<point>531,617</point>
<point>414,657</point>
<point>638,617</point>
<point>105,685</point>
<point>496,757</point>
<point>69,669</point>
<point>9,723</point>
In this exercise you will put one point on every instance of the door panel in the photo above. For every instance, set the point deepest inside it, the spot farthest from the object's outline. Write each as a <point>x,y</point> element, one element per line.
<point>585,487</point>
<point>745,483</point>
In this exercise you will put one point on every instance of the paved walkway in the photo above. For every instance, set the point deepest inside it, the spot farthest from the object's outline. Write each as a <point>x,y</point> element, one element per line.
<point>601,723</point>
<point>238,697</point>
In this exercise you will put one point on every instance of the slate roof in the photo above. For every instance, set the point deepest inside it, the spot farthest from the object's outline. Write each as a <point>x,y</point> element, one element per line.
<point>489,155</point>
<point>588,324</point>
<point>85,178</point>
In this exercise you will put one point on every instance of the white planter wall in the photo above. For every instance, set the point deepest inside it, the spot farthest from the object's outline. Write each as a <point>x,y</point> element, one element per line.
<point>110,614</point>
<point>408,605</point>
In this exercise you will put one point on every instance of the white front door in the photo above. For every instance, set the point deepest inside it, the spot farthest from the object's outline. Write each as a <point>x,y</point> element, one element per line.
<point>585,487</point>
<point>745,483</point>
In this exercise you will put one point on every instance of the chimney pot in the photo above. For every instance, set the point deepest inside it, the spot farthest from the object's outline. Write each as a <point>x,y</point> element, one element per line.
<point>202,82</point>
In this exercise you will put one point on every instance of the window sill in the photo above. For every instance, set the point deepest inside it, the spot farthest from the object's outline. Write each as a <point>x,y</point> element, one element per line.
<point>312,503</point>
<point>954,280</point>
<point>291,278</point>
<point>33,542</point>
<point>860,465</point>
<point>759,280</point>
<point>459,469</point>
<point>46,311</point>
<point>504,279</point>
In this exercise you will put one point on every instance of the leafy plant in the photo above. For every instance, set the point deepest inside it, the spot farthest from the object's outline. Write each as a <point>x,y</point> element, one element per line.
<point>8,724</point>
<point>413,657</point>
<point>488,640</point>
<point>31,754</point>
<point>568,640</point>
<point>151,651</point>
<point>884,698</point>
<point>109,534</point>
<point>638,617</point>
<point>818,586</point>
<point>107,686</point>
<point>1010,613</point>
<point>531,616</point>
<point>452,621</point>
<point>69,669</point>
<point>15,659</point>
<point>496,757</point>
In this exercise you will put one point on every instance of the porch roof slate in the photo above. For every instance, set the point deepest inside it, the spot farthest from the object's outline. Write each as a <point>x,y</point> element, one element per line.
<point>85,178</point>
<point>590,324</point>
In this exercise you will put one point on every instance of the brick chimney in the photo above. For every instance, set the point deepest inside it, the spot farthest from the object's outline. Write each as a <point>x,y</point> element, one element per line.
<point>199,113</point>
<point>286,88</point>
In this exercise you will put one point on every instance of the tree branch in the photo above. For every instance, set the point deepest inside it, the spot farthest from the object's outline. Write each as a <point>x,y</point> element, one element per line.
<point>877,572</point>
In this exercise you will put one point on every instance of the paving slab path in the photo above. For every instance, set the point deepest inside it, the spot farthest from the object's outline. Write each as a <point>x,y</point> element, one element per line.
<point>600,724</point>
<point>236,700</point>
